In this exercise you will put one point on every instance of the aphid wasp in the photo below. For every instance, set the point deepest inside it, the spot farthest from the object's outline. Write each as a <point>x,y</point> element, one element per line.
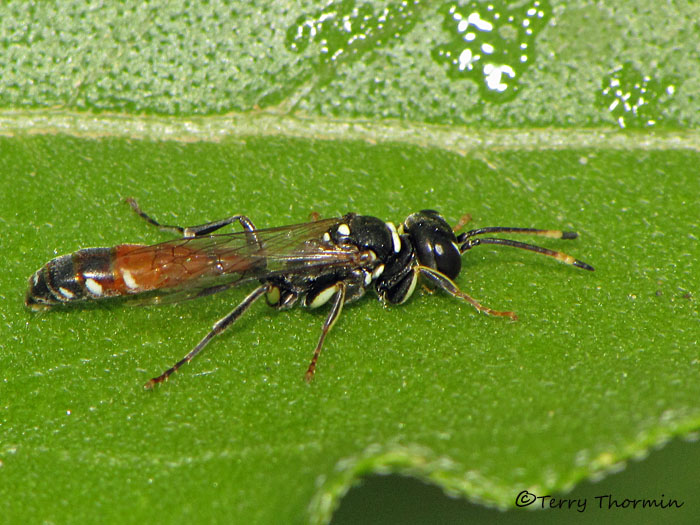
<point>327,260</point>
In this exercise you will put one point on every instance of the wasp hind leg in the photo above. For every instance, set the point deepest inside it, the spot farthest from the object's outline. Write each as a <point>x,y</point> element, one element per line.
<point>451,288</point>
<point>221,325</point>
<point>189,232</point>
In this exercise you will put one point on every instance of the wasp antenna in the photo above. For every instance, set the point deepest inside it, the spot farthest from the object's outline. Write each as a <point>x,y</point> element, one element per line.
<point>581,264</point>
<point>560,256</point>
<point>552,234</point>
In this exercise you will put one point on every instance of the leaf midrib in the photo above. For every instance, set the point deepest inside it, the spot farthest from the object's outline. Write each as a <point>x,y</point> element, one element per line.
<point>458,139</point>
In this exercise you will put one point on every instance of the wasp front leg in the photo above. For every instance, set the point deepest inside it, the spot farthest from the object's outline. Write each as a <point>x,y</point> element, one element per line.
<point>451,288</point>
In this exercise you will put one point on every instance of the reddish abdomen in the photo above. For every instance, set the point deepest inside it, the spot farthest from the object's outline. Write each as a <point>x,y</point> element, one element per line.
<point>96,273</point>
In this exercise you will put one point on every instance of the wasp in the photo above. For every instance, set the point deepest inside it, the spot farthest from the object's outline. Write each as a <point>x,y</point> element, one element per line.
<point>323,261</point>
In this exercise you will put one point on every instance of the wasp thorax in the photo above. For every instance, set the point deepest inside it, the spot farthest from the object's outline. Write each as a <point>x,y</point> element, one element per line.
<point>434,242</point>
<point>367,233</point>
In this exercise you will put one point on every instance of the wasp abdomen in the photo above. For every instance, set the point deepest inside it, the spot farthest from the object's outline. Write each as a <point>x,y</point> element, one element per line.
<point>126,269</point>
<point>85,274</point>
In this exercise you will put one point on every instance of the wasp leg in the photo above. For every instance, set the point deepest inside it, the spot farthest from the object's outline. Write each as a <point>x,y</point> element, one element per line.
<point>221,325</point>
<point>463,220</point>
<point>336,308</point>
<point>451,288</point>
<point>196,231</point>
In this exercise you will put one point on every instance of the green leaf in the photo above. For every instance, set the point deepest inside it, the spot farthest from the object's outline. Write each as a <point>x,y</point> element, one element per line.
<point>600,367</point>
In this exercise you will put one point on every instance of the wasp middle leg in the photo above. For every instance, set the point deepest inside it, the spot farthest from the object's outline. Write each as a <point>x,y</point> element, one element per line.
<point>336,308</point>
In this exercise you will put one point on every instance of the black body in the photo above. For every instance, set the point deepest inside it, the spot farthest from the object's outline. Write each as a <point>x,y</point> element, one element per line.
<point>328,260</point>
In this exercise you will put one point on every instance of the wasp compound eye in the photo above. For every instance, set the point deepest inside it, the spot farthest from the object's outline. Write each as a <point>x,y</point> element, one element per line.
<point>434,242</point>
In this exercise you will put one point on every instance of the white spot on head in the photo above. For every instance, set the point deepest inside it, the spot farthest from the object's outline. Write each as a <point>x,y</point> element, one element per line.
<point>93,287</point>
<point>439,249</point>
<point>368,277</point>
<point>129,280</point>
<point>326,237</point>
<point>65,292</point>
<point>378,271</point>
<point>35,278</point>
<point>344,229</point>
<point>395,239</point>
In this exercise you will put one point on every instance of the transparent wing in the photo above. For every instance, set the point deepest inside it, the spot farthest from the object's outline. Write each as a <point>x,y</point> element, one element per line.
<point>189,268</point>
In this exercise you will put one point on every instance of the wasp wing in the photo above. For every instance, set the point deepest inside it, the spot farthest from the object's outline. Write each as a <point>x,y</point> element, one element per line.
<point>199,266</point>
